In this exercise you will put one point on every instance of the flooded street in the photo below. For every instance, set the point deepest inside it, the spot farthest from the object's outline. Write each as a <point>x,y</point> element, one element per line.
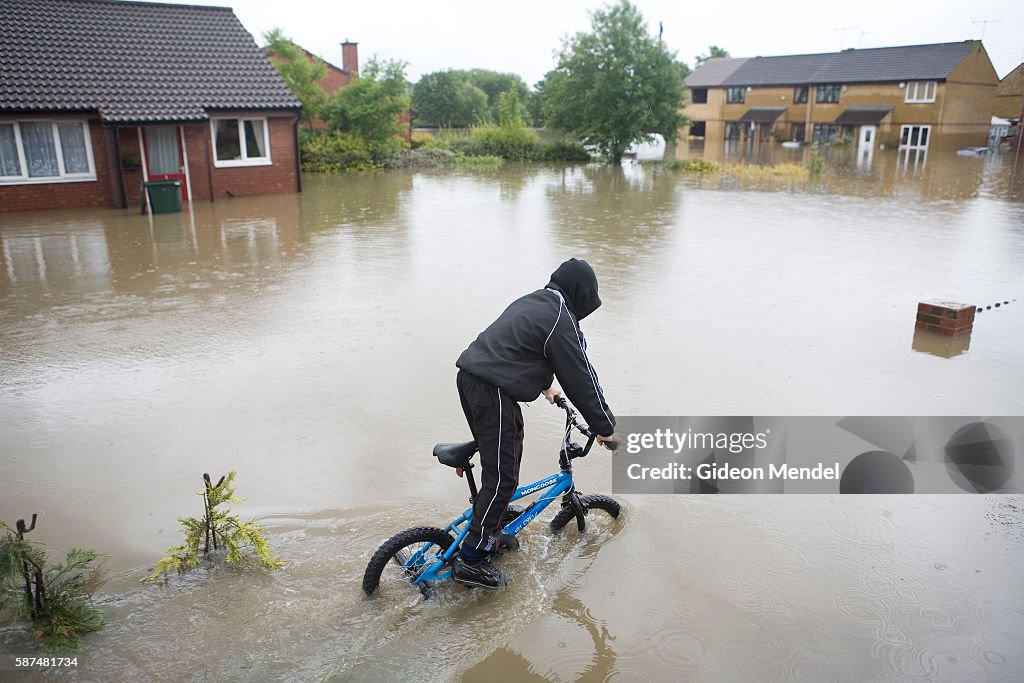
<point>308,341</point>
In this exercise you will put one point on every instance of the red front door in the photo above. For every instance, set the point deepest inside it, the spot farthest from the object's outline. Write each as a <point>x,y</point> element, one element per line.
<point>164,158</point>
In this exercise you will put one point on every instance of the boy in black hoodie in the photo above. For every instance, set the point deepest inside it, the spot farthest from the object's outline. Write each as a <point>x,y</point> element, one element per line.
<point>516,359</point>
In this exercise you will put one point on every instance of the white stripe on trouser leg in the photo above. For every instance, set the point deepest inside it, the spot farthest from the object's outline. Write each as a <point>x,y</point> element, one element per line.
<point>496,486</point>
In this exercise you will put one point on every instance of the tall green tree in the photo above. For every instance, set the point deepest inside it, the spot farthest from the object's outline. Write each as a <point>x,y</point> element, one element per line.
<point>495,84</point>
<point>616,85</point>
<point>370,105</point>
<point>510,110</point>
<point>713,52</point>
<point>300,72</point>
<point>448,98</point>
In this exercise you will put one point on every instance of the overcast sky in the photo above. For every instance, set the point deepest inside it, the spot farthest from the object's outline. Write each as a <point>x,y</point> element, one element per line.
<point>521,37</point>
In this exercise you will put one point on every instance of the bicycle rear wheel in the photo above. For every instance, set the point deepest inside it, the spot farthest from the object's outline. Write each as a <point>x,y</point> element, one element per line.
<point>403,556</point>
<point>595,502</point>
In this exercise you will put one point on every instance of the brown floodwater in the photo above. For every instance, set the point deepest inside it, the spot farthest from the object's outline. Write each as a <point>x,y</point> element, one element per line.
<point>308,341</point>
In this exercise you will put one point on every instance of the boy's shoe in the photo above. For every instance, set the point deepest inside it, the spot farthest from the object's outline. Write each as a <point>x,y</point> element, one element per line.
<point>482,574</point>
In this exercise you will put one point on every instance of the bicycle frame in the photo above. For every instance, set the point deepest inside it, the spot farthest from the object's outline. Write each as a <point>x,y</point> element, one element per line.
<point>426,565</point>
<point>554,486</point>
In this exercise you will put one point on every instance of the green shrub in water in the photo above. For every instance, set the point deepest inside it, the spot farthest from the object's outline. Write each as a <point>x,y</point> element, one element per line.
<point>334,152</point>
<point>57,599</point>
<point>217,530</point>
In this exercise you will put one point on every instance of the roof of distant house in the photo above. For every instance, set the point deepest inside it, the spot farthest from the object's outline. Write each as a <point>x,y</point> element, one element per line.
<point>874,65</point>
<point>133,62</point>
<point>714,71</point>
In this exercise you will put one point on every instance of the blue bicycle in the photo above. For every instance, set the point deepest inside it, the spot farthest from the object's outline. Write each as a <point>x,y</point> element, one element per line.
<point>421,555</point>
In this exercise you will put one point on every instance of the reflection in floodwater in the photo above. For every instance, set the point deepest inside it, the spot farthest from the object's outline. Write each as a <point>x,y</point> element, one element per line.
<point>933,173</point>
<point>309,341</point>
<point>941,345</point>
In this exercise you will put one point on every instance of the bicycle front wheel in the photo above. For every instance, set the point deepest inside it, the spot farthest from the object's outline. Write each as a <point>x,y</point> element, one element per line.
<point>596,502</point>
<point>402,557</point>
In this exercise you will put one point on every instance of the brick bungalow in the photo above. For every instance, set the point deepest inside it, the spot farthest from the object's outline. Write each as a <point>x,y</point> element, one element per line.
<point>97,96</point>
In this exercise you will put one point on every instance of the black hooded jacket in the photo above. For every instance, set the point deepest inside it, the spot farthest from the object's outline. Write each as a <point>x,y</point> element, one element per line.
<point>538,337</point>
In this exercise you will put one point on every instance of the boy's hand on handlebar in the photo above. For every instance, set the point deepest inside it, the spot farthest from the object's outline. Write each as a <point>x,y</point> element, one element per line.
<point>610,442</point>
<point>552,392</point>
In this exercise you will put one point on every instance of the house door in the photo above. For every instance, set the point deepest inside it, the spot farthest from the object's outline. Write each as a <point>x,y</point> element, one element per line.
<point>866,146</point>
<point>867,138</point>
<point>164,157</point>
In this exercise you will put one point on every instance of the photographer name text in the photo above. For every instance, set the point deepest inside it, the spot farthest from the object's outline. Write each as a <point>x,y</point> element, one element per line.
<point>726,472</point>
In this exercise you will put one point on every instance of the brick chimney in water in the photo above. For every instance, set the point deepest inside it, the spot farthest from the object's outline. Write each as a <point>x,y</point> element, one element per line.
<point>350,58</point>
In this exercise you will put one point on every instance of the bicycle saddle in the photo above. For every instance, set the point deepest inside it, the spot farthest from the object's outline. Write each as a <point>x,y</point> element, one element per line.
<point>455,454</point>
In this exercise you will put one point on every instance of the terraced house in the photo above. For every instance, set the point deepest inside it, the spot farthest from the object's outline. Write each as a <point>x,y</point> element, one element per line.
<point>97,96</point>
<point>896,96</point>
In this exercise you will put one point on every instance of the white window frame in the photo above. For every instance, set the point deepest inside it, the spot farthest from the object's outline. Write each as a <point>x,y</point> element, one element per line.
<point>63,176</point>
<point>909,129</point>
<point>246,160</point>
<point>920,92</point>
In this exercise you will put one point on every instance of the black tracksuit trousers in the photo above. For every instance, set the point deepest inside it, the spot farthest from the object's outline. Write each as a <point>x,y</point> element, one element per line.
<point>497,425</point>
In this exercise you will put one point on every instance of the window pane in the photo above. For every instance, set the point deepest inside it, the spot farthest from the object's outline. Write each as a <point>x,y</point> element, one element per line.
<point>162,151</point>
<point>72,144</point>
<point>40,154</point>
<point>924,136</point>
<point>227,143</point>
<point>930,91</point>
<point>9,164</point>
<point>254,141</point>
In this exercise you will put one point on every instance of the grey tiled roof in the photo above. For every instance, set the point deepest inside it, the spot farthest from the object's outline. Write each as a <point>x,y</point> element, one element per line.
<point>884,64</point>
<point>714,71</point>
<point>132,61</point>
<point>789,70</point>
<point>908,63</point>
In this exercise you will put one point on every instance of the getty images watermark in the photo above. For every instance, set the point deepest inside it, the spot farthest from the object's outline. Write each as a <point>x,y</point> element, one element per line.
<point>818,455</point>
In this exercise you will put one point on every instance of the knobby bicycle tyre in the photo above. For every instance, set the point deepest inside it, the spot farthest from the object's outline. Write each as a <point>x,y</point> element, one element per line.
<point>595,502</point>
<point>414,537</point>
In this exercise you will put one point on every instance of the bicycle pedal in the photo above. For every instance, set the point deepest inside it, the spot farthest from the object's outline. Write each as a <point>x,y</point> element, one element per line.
<point>508,542</point>
<point>512,513</point>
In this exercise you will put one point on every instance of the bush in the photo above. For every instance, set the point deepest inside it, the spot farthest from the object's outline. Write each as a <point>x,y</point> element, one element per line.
<point>334,152</point>
<point>420,158</point>
<point>695,166</point>
<point>564,151</point>
<point>218,529</point>
<point>56,598</point>
<point>422,139</point>
<point>485,160</point>
<point>516,143</point>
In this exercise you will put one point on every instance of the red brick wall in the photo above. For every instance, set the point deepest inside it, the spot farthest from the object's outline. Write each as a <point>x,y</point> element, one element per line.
<point>335,80</point>
<point>65,195</point>
<point>210,182</point>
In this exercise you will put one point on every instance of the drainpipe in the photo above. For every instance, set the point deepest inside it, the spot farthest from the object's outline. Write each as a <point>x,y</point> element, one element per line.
<point>122,197</point>
<point>808,126</point>
<point>298,152</point>
<point>1020,134</point>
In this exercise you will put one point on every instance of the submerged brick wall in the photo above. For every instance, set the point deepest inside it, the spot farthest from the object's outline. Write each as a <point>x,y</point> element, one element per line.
<point>62,195</point>
<point>946,318</point>
<point>241,181</point>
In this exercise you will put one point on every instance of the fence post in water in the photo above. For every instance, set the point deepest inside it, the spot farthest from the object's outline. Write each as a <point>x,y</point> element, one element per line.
<point>945,317</point>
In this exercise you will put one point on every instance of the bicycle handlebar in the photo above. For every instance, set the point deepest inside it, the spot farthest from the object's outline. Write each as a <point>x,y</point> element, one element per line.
<point>570,418</point>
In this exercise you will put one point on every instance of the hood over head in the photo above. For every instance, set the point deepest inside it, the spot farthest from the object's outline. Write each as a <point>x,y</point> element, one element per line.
<point>577,282</point>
